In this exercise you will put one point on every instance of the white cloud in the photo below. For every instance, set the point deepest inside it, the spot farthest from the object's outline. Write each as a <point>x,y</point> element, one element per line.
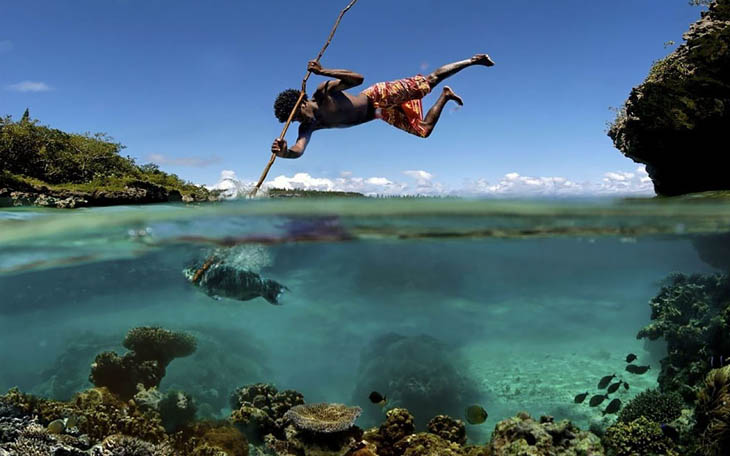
<point>6,46</point>
<point>516,185</point>
<point>183,161</point>
<point>511,185</point>
<point>29,86</point>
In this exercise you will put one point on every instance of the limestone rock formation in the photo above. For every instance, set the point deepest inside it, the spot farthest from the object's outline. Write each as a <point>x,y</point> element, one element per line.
<point>676,121</point>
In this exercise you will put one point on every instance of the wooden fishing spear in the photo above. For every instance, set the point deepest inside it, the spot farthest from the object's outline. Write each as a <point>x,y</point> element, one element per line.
<point>301,97</point>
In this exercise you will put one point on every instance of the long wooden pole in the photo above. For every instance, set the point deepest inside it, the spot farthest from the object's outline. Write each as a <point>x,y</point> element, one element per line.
<point>301,97</point>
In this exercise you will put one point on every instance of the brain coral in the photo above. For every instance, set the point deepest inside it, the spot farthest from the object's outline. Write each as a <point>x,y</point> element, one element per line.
<point>654,406</point>
<point>323,417</point>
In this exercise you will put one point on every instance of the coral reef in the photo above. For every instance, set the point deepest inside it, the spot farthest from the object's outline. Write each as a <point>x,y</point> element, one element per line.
<point>231,358</point>
<point>692,314</point>
<point>97,423</point>
<point>654,406</point>
<point>123,445</point>
<point>712,413</point>
<point>323,417</point>
<point>259,410</point>
<point>34,440</point>
<point>418,373</point>
<point>638,437</point>
<point>521,435</point>
<point>676,120</point>
<point>151,350</point>
<point>425,444</point>
<point>177,409</point>
<point>448,429</point>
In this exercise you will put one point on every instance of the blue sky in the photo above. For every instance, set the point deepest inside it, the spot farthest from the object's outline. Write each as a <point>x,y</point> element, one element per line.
<point>190,84</point>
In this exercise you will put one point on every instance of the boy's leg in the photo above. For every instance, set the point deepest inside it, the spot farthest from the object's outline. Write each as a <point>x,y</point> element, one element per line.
<point>432,117</point>
<point>451,69</point>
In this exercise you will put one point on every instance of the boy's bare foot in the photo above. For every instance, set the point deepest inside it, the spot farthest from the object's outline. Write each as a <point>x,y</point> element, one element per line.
<point>450,95</point>
<point>482,59</point>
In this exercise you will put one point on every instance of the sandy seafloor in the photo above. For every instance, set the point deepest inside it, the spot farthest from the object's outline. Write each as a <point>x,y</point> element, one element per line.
<point>531,322</point>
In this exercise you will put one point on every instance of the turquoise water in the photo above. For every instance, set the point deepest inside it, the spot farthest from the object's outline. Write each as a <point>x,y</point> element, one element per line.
<point>438,304</point>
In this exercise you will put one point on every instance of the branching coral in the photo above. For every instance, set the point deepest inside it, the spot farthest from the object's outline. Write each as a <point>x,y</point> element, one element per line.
<point>323,417</point>
<point>654,406</point>
<point>692,314</point>
<point>712,412</point>
<point>636,438</point>
<point>152,349</point>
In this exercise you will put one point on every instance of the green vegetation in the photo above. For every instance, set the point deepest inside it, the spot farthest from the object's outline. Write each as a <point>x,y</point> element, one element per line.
<point>297,193</point>
<point>37,155</point>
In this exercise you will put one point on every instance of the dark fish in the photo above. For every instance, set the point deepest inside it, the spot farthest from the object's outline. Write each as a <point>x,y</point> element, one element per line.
<point>612,407</point>
<point>630,357</point>
<point>605,381</point>
<point>634,369</point>
<point>626,386</point>
<point>476,414</point>
<point>580,398</point>
<point>613,387</point>
<point>670,431</point>
<point>597,399</point>
<point>223,280</point>
<point>377,398</point>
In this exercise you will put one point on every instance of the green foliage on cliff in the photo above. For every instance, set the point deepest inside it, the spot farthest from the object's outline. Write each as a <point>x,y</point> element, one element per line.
<point>36,154</point>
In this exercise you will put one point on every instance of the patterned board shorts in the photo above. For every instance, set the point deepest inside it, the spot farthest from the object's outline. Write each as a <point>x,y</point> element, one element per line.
<point>399,102</point>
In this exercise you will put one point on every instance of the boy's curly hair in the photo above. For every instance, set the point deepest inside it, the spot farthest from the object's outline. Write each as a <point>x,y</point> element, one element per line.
<point>285,103</point>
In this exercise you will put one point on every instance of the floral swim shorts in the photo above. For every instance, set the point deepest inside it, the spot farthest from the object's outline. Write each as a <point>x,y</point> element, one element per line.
<point>399,102</point>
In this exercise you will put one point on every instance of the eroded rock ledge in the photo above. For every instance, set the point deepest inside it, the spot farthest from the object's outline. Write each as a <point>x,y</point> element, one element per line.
<point>677,121</point>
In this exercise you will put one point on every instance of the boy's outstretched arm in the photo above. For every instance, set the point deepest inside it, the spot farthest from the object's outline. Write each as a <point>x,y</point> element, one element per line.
<point>279,147</point>
<point>345,79</point>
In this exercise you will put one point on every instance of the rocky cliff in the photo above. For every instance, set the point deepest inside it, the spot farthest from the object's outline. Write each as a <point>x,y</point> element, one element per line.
<point>677,121</point>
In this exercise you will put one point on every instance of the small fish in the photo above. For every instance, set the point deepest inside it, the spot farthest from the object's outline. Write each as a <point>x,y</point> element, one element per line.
<point>580,398</point>
<point>670,431</point>
<point>597,399</point>
<point>612,407</point>
<point>377,398</point>
<point>605,381</point>
<point>630,357</point>
<point>626,386</point>
<point>476,414</point>
<point>634,369</point>
<point>613,387</point>
<point>56,426</point>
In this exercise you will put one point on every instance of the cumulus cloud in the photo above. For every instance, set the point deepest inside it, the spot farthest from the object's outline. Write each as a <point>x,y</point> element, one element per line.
<point>516,185</point>
<point>29,86</point>
<point>183,161</point>
<point>6,46</point>
<point>421,182</point>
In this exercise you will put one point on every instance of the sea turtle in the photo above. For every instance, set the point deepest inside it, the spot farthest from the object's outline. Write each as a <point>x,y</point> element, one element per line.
<point>220,279</point>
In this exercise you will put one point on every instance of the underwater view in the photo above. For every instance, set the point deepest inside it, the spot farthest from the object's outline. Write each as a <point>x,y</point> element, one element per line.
<point>476,321</point>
